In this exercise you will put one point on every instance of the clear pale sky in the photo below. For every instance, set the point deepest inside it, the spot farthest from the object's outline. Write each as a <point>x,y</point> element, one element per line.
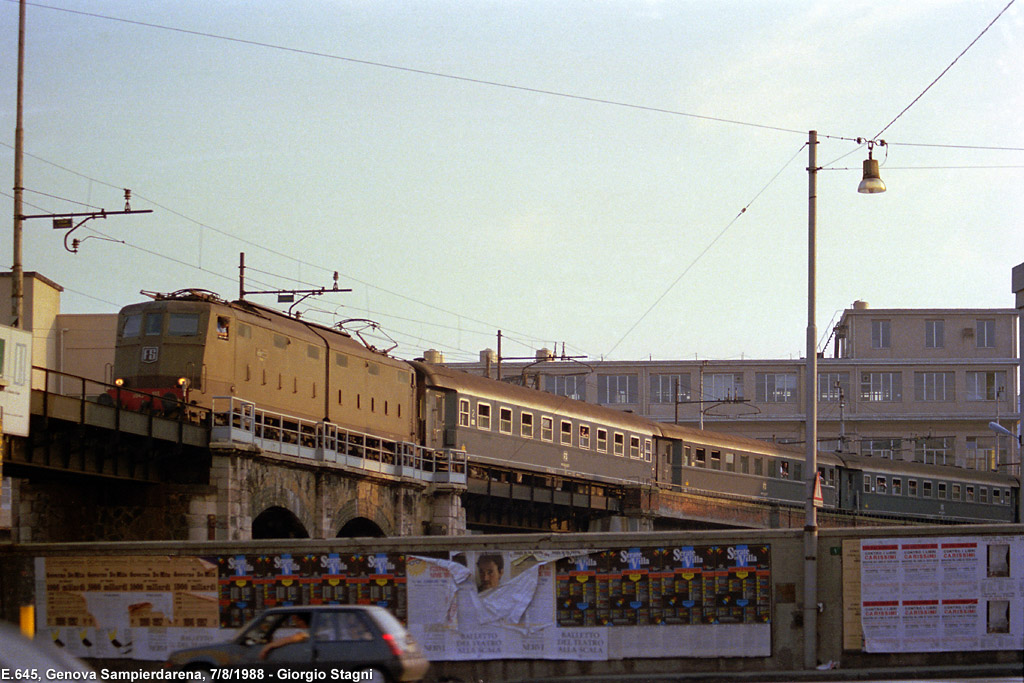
<point>382,140</point>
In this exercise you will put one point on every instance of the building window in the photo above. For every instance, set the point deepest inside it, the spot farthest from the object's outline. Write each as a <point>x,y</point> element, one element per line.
<point>585,437</point>
<point>669,388</point>
<point>985,335</point>
<point>573,386</point>
<point>526,425</point>
<point>565,437</point>
<point>722,386</point>
<point>483,416</point>
<point>934,334</point>
<point>619,444</point>
<point>505,420</point>
<point>617,389</point>
<point>985,386</point>
<point>934,450</point>
<point>833,386</point>
<point>776,387</point>
<point>463,412</point>
<point>602,440</point>
<point>881,386</point>
<point>934,386</point>
<point>981,453</point>
<point>881,448</point>
<point>880,334</point>
<point>547,428</point>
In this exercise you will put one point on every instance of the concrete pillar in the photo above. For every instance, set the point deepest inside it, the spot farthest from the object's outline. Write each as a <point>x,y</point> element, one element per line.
<point>447,516</point>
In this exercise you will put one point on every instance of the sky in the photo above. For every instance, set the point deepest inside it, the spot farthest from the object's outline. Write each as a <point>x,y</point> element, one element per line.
<point>623,180</point>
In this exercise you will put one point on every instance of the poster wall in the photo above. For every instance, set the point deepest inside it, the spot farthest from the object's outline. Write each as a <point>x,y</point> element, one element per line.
<point>696,601</point>
<point>942,594</point>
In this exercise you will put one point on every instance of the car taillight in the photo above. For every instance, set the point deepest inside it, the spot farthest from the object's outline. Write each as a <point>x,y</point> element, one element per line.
<point>396,649</point>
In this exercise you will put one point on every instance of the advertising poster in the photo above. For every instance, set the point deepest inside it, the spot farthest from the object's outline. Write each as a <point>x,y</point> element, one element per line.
<point>697,601</point>
<point>942,594</point>
<point>126,607</point>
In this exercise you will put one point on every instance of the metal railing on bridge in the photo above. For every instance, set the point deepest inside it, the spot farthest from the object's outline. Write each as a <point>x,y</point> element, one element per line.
<point>239,421</point>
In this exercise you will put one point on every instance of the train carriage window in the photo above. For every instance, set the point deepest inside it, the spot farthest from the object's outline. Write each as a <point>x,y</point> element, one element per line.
<point>942,491</point>
<point>970,494</point>
<point>526,425</point>
<point>745,464</point>
<point>634,447</point>
<point>483,416</point>
<point>132,325</point>
<point>154,324</point>
<point>183,324</point>
<point>982,495</point>
<point>547,428</point>
<point>897,486</point>
<point>758,467</point>
<point>784,469</point>
<point>602,440</point>
<point>716,460</point>
<point>585,437</point>
<point>223,327</point>
<point>565,435</point>
<point>954,493</point>
<point>730,462</point>
<point>880,484</point>
<point>912,487</point>
<point>505,420</point>
<point>619,444</point>
<point>798,470</point>
<point>867,483</point>
<point>647,450</point>
<point>700,458</point>
<point>463,412</point>
<point>995,496</point>
<point>926,489</point>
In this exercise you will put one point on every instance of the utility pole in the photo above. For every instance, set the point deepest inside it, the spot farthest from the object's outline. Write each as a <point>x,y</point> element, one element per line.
<point>17,276</point>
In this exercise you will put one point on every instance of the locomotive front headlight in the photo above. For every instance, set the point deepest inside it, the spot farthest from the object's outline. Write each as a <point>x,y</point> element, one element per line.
<point>119,382</point>
<point>183,382</point>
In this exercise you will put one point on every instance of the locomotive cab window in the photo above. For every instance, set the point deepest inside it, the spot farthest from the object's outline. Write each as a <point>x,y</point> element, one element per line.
<point>132,325</point>
<point>154,324</point>
<point>183,324</point>
<point>223,327</point>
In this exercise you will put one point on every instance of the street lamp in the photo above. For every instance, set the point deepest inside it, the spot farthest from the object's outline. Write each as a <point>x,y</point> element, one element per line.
<point>871,184</point>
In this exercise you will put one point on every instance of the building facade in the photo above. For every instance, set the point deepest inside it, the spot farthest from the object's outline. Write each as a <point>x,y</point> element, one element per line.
<point>912,384</point>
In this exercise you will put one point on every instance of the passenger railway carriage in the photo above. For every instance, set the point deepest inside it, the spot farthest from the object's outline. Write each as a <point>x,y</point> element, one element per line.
<point>192,345</point>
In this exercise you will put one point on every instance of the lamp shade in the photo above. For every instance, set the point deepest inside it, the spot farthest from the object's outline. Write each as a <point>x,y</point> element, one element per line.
<point>871,183</point>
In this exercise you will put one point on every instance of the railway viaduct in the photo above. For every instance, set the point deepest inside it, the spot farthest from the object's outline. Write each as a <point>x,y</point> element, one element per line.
<point>94,472</point>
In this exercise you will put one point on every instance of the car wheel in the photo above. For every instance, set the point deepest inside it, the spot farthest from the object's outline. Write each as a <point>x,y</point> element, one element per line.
<point>202,673</point>
<point>372,676</point>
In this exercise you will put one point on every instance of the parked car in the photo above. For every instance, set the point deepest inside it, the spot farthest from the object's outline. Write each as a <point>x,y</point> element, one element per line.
<point>283,641</point>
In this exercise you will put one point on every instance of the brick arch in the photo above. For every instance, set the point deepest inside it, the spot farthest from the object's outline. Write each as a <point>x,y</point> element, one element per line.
<point>279,496</point>
<point>362,507</point>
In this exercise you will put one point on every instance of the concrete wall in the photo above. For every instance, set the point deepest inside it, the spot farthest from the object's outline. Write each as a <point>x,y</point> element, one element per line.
<point>787,565</point>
